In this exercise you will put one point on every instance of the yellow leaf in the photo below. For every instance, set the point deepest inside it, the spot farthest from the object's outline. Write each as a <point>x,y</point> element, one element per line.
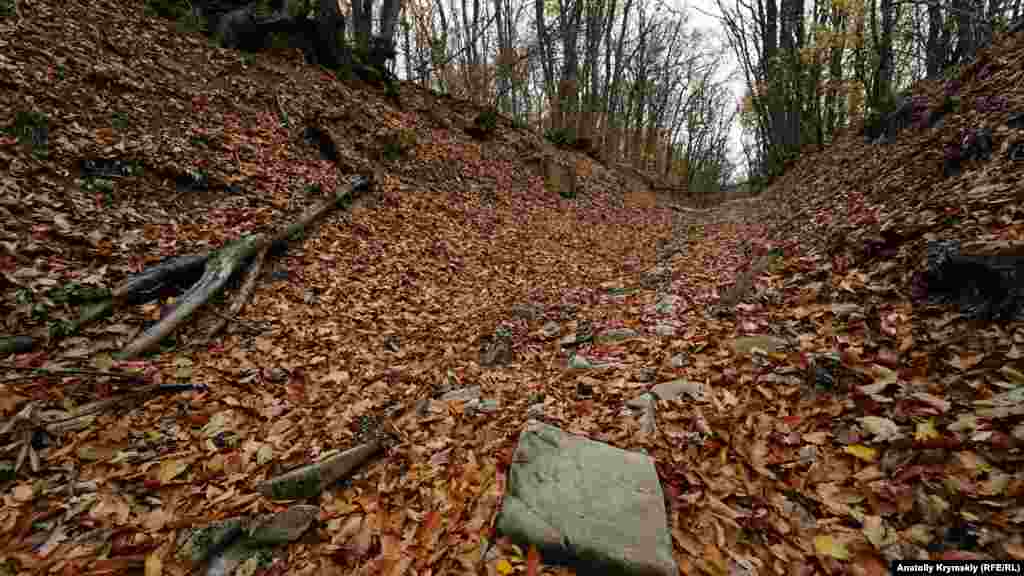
<point>169,469</point>
<point>1012,374</point>
<point>865,453</point>
<point>154,566</point>
<point>926,430</point>
<point>103,362</point>
<point>825,545</point>
<point>504,567</point>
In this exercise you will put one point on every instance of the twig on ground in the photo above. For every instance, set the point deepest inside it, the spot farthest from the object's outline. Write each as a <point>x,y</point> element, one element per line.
<point>64,372</point>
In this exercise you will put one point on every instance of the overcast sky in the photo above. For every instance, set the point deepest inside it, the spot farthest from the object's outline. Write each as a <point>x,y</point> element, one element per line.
<point>703,14</point>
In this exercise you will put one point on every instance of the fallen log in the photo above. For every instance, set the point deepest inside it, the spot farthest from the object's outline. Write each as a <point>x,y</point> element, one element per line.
<point>218,268</point>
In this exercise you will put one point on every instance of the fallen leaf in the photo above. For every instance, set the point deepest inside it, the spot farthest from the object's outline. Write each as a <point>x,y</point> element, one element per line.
<point>825,545</point>
<point>154,566</point>
<point>504,567</point>
<point>926,430</point>
<point>170,469</point>
<point>865,453</point>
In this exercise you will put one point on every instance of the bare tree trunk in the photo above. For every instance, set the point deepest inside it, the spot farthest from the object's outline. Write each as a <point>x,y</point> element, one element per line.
<point>329,53</point>
<point>545,57</point>
<point>964,30</point>
<point>776,96</point>
<point>883,81</point>
<point>614,109</point>
<point>362,20</point>
<point>389,10</point>
<point>835,77</point>
<point>935,51</point>
<point>503,61</point>
<point>594,19</point>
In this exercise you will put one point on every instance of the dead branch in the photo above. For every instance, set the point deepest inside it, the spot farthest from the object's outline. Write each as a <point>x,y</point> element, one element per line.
<point>40,372</point>
<point>244,293</point>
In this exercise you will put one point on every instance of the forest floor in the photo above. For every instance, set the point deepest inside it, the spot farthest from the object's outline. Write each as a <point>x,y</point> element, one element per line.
<point>882,428</point>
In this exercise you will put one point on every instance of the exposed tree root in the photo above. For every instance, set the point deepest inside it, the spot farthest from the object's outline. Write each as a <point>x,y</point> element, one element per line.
<point>217,269</point>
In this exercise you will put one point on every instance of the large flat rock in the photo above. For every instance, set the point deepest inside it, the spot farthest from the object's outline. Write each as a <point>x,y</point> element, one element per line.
<point>583,503</point>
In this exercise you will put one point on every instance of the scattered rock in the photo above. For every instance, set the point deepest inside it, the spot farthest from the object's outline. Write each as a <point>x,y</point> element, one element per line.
<point>666,305</point>
<point>655,277</point>
<point>770,344</point>
<point>646,374</point>
<point>528,312</point>
<point>642,401</point>
<point>617,334</point>
<point>461,395</point>
<point>648,420</point>
<point>277,375</point>
<point>675,388</point>
<point>665,330</point>
<point>106,167</point>
<point>551,329</point>
<point>535,411</point>
<point>679,360</point>
<point>485,406</point>
<point>583,503</point>
<point>580,362</point>
<point>573,340</point>
<point>496,350</point>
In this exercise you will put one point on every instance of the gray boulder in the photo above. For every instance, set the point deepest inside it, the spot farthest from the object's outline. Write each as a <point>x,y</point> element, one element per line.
<point>586,504</point>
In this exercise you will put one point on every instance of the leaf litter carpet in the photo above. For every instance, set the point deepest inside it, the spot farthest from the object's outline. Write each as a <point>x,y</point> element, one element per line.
<point>908,448</point>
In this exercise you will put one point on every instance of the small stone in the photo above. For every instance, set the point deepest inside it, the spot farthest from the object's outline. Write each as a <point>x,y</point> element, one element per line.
<point>573,340</point>
<point>665,305</point>
<point>485,406</point>
<point>580,362</point>
<point>675,388</point>
<point>462,395</point>
<point>646,375</point>
<point>642,401</point>
<point>665,330</point>
<point>529,312</point>
<point>808,454</point>
<point>655,276</point>
<point>551,329</point>
<point>769,344</point>
<point>679,361</point>
<point>617,334</point>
